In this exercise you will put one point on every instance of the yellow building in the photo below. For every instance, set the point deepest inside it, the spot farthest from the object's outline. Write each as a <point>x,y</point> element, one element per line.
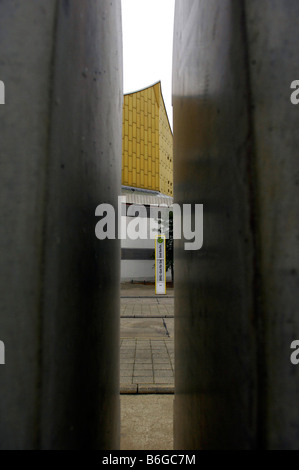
<point>147,155</point>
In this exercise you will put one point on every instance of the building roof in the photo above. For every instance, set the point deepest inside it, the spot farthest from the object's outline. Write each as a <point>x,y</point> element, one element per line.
<point>147,150</point>
<point>153,86</point>
<point>145,197</point>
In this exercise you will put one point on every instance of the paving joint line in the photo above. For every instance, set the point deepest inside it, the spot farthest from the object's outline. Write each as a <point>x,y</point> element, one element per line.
<point>172,368</point>
<point>146,297</point>
<point>143,338</point>
<point>146,389</point>
<point>164,324</point>
<point>146,316</point>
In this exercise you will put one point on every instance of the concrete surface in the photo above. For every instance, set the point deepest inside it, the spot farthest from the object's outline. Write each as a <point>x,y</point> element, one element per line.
<point>61,62</point>
<point>149,363</point>
<point>146,369</point>
<point>273,36</point>
<point>236,146</point>
<point>145,306</point>
<point>146,422</point>
<point>25,70</point>
<point>145,327</point>
<point>147,346</point>
<point>215,344</point>
<point>129,289</point>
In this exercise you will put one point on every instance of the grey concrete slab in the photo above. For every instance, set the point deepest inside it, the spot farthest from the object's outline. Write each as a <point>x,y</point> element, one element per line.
<point>143,366</point>
<point>128,388</point>
<point>141,290</point>
<point>147,364</point>
<point>167,373</point>
<point>127,360</point>
<point>127,367</point>
<point>146,422</point>
<point>143,372</point>
<point>162,367</point>
<point>136,307</point>
<point>133,328</point>
<point>170,326</point>
<point>156,388</point>
<point>126,379</point>
<point>61,62</point>
<point>139,380</point>
<point>161,360</point>
<point>143,358</point>
<point>163,380</point>
<point>143,361</point>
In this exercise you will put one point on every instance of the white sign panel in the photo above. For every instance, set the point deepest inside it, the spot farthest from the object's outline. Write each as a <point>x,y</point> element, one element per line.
<point>2,92</point>
<point>160,265</point>
<point>2,353</point>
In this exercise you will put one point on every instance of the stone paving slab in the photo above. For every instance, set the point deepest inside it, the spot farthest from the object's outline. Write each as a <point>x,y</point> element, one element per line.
<point>147,346</point>
<point>134,389</point>
<point>143,327</point>
<point>143,290</point>
<point>147,421</point>
<point>127,389</point>
<point>150,308</point>
<point>147,365</point>
<point>159,389</point>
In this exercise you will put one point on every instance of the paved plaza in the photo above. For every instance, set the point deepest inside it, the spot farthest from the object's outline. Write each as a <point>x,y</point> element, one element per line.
<point>147,343</point>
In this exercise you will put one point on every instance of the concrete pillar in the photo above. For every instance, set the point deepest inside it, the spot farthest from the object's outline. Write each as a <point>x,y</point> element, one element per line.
<point>214,325</point>
<point>61,157</point>
<point>235,143</point>
<point>273,37</point>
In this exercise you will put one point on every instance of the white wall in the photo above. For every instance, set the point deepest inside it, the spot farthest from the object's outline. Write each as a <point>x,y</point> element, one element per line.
<point>139,270</point>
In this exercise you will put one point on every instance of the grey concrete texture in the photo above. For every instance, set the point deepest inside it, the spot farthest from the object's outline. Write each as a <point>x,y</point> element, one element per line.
<point>146,327</point>
<point>146,366</point>
<point>147,307</point>
<point>235,151</point>
<point>147,346</point>
<point>215,360</point>
<point>143,290</point>
<point>147,422</point>
<point>272,37</point>
<point>61,125</point>
<point>25,70</point>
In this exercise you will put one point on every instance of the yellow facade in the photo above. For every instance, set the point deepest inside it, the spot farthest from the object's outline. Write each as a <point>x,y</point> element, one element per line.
<point>147,142</point>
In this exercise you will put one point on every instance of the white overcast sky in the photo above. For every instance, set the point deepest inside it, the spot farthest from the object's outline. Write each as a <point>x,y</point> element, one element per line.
<point>147,45</point>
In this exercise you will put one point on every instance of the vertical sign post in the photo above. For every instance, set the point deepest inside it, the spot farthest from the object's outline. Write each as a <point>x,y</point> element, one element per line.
<point>2,92</point>
<point>160,265</point>
<point>2,353</point>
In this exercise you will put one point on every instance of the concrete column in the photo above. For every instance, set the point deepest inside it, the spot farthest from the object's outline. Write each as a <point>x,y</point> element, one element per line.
<point>60,157</point>
<point>273,37</point>
<point>214,323</point>
<point>235,144</point>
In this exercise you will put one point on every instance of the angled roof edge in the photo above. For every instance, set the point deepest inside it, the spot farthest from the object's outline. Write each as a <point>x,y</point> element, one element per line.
<point>142,89</point>
<point>165,108</point>
<point>152,86</point>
